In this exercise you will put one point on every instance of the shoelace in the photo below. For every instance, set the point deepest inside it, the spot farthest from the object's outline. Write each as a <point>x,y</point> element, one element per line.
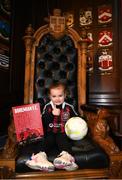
<point>36,158</point>
<point>67,156</point>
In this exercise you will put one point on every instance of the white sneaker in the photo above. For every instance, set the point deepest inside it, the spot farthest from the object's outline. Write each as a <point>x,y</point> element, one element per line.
<point>65,161</point>
<point>40,162</point>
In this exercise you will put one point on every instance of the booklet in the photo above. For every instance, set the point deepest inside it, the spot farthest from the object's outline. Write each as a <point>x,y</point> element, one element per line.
<point>28,123</point>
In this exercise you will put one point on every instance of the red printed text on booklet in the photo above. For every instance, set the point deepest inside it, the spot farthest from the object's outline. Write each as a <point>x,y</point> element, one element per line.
<point>28,123</point>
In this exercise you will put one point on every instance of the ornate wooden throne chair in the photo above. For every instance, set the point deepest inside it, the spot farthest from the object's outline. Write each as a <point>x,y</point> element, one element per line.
<point>55,52</point>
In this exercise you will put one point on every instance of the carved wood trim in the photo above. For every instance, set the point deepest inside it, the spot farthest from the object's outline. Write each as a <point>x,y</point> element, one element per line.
<point>62,174</point>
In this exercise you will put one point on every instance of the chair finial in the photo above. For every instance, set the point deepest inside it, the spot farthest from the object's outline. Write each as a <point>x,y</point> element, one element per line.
<point>57,12</point>
<point>29,30</point>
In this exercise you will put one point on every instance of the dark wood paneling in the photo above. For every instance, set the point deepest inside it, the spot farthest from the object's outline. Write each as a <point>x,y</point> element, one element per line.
<point>104,89</point>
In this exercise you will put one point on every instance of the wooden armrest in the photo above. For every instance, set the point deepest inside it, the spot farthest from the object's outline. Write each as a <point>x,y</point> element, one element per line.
<point>10,148</point>
<point>97,123</point>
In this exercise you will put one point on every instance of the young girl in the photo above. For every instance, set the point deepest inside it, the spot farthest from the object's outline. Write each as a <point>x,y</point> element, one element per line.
<point>54,116</point>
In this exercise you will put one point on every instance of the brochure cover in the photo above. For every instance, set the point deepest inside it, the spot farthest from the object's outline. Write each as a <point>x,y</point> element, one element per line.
<point>28,123</point>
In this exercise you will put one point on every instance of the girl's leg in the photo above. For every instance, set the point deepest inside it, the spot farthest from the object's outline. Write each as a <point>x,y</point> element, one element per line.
<point>64,143</point>
<point>65,160</point>
<point>49,142</point>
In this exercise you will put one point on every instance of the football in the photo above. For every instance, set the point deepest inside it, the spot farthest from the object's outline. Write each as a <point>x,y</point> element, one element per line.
<point>76,128</point>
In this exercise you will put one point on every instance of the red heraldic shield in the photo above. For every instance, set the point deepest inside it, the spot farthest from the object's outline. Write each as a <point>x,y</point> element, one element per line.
<point>105,38</point>
<point>105,62</point>
<point>104,14</point>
